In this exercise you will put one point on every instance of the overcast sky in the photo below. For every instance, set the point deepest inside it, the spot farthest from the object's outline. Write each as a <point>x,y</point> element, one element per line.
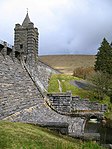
<point>65,26</point>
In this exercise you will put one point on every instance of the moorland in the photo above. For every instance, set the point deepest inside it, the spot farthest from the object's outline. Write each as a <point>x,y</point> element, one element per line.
<point>67,63</point>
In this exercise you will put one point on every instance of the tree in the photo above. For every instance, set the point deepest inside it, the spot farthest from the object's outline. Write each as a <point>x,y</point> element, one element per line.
<point>103,64</point>
<point>102,85</point>
<point>104,58</point>
<point>99,80</point>
<point>108,86</point>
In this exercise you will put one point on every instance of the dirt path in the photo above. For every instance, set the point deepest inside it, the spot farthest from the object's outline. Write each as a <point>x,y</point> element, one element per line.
<point>60,88</point>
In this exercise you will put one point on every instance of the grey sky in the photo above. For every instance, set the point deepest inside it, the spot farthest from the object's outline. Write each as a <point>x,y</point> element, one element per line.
<point>65,26</point>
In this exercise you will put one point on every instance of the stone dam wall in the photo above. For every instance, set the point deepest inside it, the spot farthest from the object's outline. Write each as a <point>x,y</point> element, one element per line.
<point>17,91</point>
<point>44,72</point>
<point>21,100</point>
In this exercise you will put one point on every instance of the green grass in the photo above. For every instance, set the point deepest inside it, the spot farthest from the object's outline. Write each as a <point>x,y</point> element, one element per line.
<point>65,83</point>
<point>66,86</point>
<point>27,136</point>
<point>91,145</point>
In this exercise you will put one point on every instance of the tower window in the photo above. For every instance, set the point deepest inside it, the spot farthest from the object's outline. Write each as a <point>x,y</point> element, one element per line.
<point>21,46</point>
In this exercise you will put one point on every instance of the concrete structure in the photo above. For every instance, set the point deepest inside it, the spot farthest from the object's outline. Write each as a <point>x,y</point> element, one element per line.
<point>23,88</point>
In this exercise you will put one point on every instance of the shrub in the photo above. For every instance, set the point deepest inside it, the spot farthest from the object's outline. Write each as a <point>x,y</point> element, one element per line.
<point>82,72</point>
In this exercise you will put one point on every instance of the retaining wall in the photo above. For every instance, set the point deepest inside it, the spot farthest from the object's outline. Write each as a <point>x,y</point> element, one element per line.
<point>65,103</point>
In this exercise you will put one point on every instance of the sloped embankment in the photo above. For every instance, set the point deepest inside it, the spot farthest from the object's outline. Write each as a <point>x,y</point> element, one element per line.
<point>18,135</point>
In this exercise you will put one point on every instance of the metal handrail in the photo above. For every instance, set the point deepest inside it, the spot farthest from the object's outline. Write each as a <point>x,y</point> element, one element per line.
<point>8,45</point>
<point>2,42</point>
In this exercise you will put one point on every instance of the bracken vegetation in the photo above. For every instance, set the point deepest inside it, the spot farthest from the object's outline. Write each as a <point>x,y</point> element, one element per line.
<point>83,72</point>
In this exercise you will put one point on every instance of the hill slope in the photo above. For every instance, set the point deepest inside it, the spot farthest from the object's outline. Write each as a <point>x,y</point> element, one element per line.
<point>67,63</point>
<point>27,136</point>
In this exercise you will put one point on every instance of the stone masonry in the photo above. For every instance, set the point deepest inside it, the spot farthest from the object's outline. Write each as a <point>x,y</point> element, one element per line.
<point>65,103</point>
<point>26,40</point>
<point>23,87</point>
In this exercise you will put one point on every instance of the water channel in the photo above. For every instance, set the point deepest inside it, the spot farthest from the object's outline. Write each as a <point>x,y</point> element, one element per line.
<point>104,129</point>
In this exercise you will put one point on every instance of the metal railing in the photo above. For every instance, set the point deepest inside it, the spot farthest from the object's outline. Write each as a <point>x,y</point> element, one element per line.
<point>8,45</point>
<point>2,42</point>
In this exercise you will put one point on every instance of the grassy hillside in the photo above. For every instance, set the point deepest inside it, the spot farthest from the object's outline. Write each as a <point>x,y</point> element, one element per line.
<point>27,136</point>
<point>67,63</point>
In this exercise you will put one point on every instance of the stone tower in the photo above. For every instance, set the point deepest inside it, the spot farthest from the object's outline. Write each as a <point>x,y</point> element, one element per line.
<point>26,41</point>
